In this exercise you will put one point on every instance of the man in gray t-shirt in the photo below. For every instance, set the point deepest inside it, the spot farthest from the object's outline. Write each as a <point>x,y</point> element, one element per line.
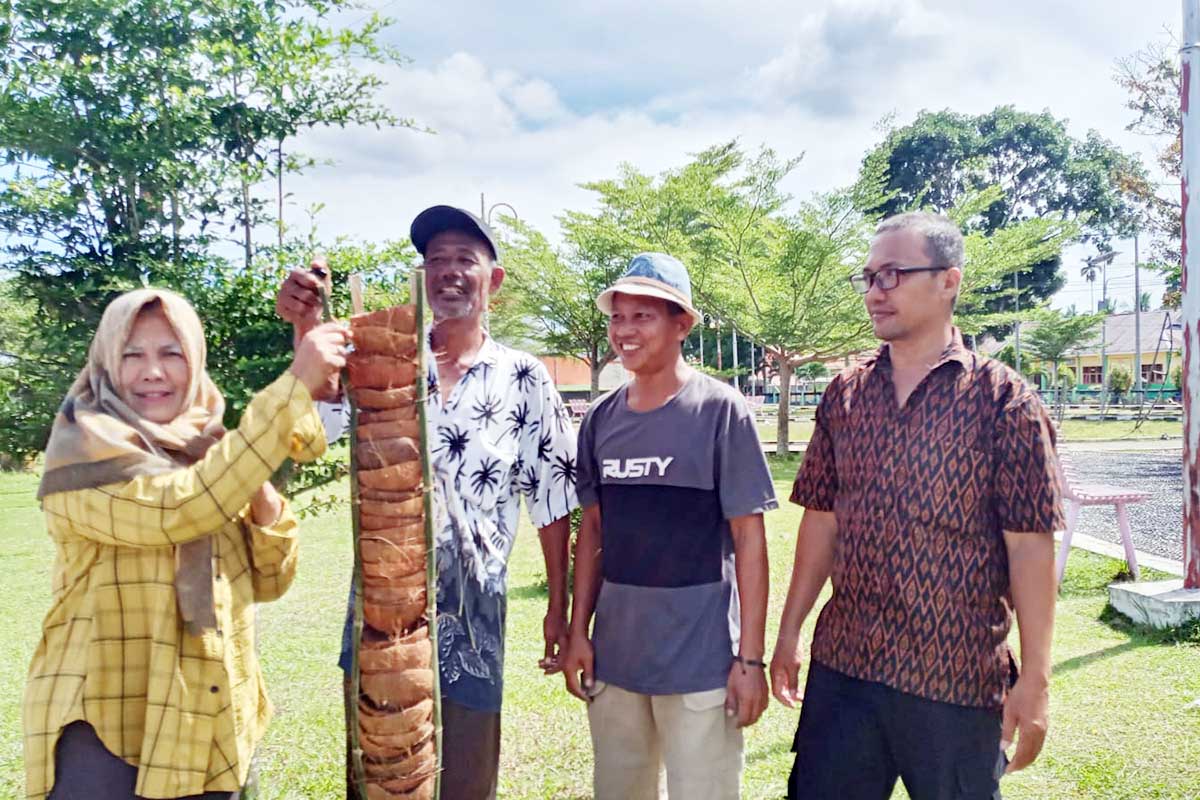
<point>673,484</point>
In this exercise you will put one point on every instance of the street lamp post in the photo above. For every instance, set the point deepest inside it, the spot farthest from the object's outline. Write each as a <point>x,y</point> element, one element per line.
<point>485,211</point>
<point>1103,261</point>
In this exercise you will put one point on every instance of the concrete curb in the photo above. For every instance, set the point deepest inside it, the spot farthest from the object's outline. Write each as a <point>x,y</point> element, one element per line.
<point>1114,550</point>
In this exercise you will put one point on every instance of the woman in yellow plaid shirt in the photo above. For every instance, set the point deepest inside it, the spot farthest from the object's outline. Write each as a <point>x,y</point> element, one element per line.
<point>167,531</point>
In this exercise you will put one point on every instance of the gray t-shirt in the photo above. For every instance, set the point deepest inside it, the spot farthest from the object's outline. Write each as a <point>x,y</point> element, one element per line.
<point>668,481</point>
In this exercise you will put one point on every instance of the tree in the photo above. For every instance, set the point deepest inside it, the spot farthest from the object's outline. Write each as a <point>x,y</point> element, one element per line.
<point>780,278</point>
<point>1055,336</point>
<point>125,159</point>
<point>1040,169</point>
<point>1150,78</point>
<point>1119,380</point>
<point>781,275</point>
<point>1090,272</point>
<point>556,291</point>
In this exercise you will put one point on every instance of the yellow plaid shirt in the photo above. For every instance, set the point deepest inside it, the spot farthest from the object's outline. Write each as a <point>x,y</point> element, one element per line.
<point>186,710</point>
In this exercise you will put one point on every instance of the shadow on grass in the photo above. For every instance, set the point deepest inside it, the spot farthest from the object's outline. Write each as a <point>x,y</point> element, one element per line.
<point>1097,655</point>
<point>1142,636</point>
<point>530,591</point>
<point>784,468</point>
<point>783,745</point>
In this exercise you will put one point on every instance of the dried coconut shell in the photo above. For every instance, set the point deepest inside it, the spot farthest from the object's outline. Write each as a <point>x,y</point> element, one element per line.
<point>379,453</point>
<point>422,761</point>
<point>398,745</point>
<point>382,399</point>
<point>396,592</point>
<point>422,789</point>
<point>376,340</point>
<point>382,559</point>
<point>402,319</point>
<point>383,722</point>
<point>392,529</point>
<point>387,497</point>
<point>395,618</point>
<point>398,689</point>
<point>392,429</point>
<point>408,412</point>
<point>380,372</point>
<point>411,509</point>
<point>396,478</point>
<point>402,559</point>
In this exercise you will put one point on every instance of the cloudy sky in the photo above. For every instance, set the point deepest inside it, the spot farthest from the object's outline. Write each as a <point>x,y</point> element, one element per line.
<point>530,98</point>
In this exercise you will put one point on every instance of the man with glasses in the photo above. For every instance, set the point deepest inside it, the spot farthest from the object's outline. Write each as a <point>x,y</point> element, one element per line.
<point>931,494</point>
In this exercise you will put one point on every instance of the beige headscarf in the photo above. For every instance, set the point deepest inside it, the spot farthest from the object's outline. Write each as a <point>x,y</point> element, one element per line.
<point>97,439</point>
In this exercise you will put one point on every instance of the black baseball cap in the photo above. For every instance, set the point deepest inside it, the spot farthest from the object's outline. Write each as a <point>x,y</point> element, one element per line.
<point>435,219</point>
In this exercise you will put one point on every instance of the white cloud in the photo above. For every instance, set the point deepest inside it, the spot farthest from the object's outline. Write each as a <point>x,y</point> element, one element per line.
<point>557,94</point>
<point>837,55</point>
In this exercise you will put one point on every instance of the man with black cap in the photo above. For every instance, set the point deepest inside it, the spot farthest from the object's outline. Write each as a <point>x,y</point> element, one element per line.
<point>498,430</point>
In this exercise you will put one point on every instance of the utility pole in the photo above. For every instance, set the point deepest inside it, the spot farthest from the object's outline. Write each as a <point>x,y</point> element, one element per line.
<point>1104,337</point>
<point>1190,106</point>
<point>1166,603</point>
<point>737,382</point>
<point>717,325</point>
<point>1137,323</point>
<point>1103,261</point>
<point>1017,324</point>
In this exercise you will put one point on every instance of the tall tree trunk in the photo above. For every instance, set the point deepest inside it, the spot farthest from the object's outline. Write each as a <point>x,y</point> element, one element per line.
<point>248,243</point>
<point>785,396</point>
<point>279,191</point>
<point>1058,388</point>
<point>594,391</point>
<point>176,227</point>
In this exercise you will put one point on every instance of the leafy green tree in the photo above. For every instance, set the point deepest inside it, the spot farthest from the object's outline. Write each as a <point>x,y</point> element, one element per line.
<point>1055,336</point>
<point>1119,379</point>
<point>128,154</point>
<point>1041,171</point>
<point>556,291</point>
<point>1150,78</point>
<point>779,274</point>
<point>781,279</point>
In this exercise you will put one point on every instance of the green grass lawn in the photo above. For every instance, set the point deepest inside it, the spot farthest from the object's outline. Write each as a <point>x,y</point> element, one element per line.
<point>1085,429</point>
<point>1073,430</point>
<point>1120,727</point>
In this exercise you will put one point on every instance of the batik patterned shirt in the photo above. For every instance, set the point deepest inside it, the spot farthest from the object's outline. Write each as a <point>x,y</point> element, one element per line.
<point>923,494</point>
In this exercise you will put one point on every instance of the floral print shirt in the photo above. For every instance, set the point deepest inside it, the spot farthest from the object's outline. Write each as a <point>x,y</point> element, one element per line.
<point>502,434</point>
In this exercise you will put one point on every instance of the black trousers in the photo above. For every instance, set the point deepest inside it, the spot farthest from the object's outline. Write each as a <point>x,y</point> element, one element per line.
<point>85,770</point>
<point>855,738</point>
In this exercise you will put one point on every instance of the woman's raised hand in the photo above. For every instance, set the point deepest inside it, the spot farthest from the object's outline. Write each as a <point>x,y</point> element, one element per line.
<point>320,354</point>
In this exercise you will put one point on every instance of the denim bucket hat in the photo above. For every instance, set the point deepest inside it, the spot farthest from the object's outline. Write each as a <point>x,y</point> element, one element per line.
<point>653,275</point>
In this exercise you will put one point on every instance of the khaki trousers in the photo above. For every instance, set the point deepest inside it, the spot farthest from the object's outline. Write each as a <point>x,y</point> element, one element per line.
<point>653,747</point>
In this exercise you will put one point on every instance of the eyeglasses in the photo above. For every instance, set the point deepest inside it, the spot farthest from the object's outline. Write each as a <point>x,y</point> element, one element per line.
<point>886,279</point>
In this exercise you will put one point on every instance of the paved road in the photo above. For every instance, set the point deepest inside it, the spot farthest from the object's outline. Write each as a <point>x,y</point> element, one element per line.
<point>1151,465</point>
<point>1157,523</point>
